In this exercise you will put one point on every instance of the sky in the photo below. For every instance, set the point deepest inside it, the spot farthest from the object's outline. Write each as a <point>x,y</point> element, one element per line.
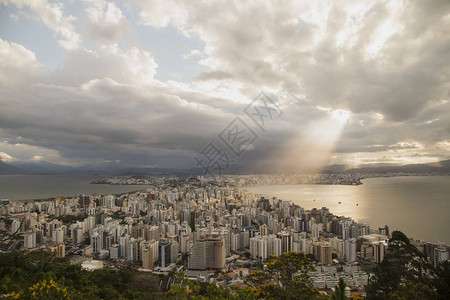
<point>178,84</point>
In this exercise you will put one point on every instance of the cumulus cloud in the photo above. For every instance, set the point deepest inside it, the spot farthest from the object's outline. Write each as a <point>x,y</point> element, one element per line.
<point>114,110</point>
<point>5,157</point>
<point>160,14</point>
<point>372,56</point>
<point>53,17</point>
<point>17,64</point>
<point>366,79</point>
<point>106,22</point>
<point>134,66</point>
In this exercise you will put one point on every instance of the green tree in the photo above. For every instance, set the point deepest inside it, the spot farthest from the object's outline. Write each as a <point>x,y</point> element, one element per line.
<point>183,288</point>
<point>19,271</point>
<point>285,277</point>
<point>413,291</point>
<point>402,262</point>
<point>339,293</point>
<point>44,291</point>
<point>442,280</point>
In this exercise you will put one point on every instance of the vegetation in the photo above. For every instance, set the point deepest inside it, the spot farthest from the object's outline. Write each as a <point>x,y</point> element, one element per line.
<point>413,291</point>
<point>118,215</point>
<point>405,273</point>
<point>23,274</point>
<point>70,219</point>
<point>442,281</point>
<point>41,273</point>
<point>43,290</point>
<point>339,292</point>
<point>285,277</point>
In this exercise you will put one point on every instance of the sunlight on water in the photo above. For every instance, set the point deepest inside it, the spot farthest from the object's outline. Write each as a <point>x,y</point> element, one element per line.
<point>417,205</point>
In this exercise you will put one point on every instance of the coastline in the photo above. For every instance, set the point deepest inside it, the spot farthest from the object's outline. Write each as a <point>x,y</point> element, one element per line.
<point>396,202</point>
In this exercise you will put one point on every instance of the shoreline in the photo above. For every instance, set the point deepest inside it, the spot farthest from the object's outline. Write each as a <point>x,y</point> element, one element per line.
<point>307,204</point>
<point>54,197</point>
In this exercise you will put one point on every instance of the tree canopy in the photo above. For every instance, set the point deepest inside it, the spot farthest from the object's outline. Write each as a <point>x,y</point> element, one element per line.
<point>405,273</point>
<point>285,277</point>
<point>23,274</point>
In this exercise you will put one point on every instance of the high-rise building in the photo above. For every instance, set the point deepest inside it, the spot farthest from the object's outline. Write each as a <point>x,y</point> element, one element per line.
<point>261,247</point>
<point>16,226</point>
<point>384,230</point>
<point>114,251</point>
<point>440,254</point>
<point>235,241</point>
<point>107,237</point>
<point>316,229</point>
<point>96,242</point>
<point>207,253</point>
<point>244,239</point>
<point>133,250</point>
<point>185,215</point>
<point>379,250</point>
<point>29,239</point>
<point>264,204</point>
<point>77,235</point>
<point>264,229</point>
<point>372,246</point>
<point>168,251</point>
<point>258,247</point>
<point>323,253</point>
<point>58,235</point>
<point>350,250</point>
<point>58,248</point>
<point>83,202</point>
<point>338,246</point>
<point>149,255</point>
<point>123,242</point>
<point>286,241</point>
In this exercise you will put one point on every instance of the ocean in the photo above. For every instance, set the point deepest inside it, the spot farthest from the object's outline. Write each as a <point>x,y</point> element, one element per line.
<point>25,187</point>
<point>419,206</point>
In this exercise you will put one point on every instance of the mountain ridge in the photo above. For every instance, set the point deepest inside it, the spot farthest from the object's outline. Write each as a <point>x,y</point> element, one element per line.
<point>47,168</point>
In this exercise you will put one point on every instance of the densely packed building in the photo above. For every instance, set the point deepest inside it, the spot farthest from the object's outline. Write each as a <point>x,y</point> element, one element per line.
<point>208,226</point>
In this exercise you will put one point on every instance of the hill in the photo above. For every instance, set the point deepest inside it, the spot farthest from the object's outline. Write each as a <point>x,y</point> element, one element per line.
<point>6,169</point>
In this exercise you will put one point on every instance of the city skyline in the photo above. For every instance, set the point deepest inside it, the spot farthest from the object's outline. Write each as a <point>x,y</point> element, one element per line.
<point>146,83</point>
<point>213,230</point>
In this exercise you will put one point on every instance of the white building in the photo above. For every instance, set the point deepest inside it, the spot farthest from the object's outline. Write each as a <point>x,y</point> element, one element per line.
<point>58,235</point>
<point>29,239</point>
<point>261,247</point>
<point>440,254</point>
<point>235,241</point>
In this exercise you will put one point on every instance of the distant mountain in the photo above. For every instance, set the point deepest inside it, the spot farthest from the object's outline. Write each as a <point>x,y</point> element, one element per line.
<point>117,169</point>
<point>6,169</point>
<point>156,171</point>
<point>439,167</point>
<point>334,169</point>
<point>443,164</point>
<point>42,167</point>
